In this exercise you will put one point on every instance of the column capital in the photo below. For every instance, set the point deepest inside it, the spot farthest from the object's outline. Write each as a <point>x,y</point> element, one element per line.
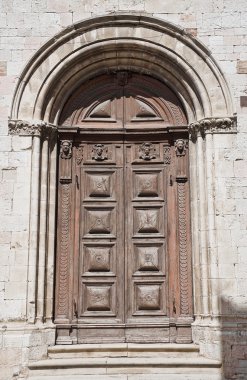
<point>214,125</point>
<point>31,128</point>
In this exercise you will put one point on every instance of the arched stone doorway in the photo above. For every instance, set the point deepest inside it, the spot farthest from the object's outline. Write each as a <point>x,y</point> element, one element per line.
<point>123,246</point>
<point>108,44</point>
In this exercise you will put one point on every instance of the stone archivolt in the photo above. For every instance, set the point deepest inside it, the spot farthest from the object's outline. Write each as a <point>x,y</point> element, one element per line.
<point>66,62</point>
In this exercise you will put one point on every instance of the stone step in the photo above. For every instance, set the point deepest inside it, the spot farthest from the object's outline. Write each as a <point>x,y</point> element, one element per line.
<point>56,369</point>
<point>196,376</point>
<point>123,350</point>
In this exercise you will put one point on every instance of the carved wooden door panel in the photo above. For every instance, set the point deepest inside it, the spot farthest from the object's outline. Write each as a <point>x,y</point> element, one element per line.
<point>123,266</point>
<point>101,260</point>
<point>124,214</point>
<point>146,238</point>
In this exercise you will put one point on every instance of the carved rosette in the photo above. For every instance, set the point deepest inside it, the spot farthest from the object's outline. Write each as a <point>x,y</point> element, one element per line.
<point>64,262</point>
<point>183,248</point>
<point>213,125</point>
<point>31,128</point>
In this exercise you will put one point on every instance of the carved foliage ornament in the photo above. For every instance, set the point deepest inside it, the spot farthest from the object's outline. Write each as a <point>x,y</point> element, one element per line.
<point>66,149</point>
<point>31,128</point>
<point>147,151</point>
<point>213,125</point>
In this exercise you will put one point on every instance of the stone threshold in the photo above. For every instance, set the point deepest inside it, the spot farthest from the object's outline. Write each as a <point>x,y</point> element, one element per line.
<point>122,350</point>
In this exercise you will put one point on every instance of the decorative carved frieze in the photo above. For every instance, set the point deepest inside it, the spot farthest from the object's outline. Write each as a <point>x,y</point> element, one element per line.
<point>213,125</point>
<point>31,128</point>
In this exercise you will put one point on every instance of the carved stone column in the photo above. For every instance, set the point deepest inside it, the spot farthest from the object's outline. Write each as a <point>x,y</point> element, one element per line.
<point>202,135</point>
<point>40,131</point>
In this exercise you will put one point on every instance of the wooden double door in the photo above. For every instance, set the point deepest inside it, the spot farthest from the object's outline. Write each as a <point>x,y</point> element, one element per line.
<point>123,246</point>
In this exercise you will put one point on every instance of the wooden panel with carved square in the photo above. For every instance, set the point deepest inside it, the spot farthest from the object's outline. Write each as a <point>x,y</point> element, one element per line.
<point>99,221</point>
<point>98,298</point>
<point>148,221</point>
<point>149,258</point>
<point>99,185</point>
<point>98,258</point>
<point>148,184</point>
<point>149,298</point>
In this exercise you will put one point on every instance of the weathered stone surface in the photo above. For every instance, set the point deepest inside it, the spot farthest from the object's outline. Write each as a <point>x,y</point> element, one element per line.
<point>242,67</point>
<point>26,25</point>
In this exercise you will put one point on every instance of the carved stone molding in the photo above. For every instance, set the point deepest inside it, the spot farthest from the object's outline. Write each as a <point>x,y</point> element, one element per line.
<point>213,125</point>
<point>31,128</point>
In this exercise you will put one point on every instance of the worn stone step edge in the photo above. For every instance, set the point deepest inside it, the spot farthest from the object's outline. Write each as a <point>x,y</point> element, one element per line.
<point>130,347</point>
<point>182,376</point>
<point>198,362</point>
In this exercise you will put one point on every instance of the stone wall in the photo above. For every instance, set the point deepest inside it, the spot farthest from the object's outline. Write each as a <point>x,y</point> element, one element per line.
<point>25,25</point>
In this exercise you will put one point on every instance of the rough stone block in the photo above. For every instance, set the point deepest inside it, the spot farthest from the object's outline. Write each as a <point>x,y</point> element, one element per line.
<point>15,290</point>
<point>3,68</point>
<point>18,273</point>
<point>243,101</point>
<point>13,310</point>
<point>242,67</point>
<point>19,158</point>
<point>58,6</point>
<point>9,174</point>
<point>131,5</point>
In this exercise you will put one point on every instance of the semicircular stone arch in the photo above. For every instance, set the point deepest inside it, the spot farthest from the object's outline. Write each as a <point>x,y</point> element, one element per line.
<point>121,42</point>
